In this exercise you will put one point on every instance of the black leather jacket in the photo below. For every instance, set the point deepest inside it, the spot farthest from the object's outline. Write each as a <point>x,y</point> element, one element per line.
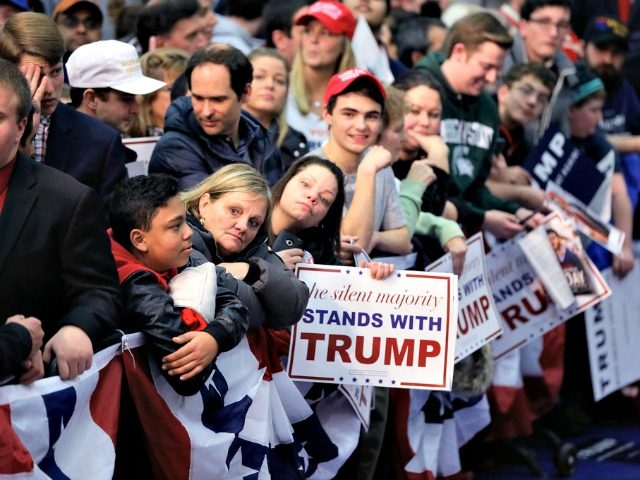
<point>150,309</point>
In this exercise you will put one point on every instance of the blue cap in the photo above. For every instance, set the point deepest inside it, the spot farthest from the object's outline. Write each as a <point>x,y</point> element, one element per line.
<point>19,4</point>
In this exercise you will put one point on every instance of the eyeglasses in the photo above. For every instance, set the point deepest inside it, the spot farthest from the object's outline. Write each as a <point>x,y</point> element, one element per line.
<point>70,21</point>
<point>527,90</point>
<point>547,23</point>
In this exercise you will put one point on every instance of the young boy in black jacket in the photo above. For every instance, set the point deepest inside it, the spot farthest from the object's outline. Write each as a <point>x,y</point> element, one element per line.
<point>151,242</point>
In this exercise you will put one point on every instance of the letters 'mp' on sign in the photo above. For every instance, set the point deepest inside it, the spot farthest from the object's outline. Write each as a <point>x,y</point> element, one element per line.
<point>397,332</point>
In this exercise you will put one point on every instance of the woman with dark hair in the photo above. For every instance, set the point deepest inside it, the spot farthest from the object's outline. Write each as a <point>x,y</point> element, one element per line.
<point>308,203</point>
<point>421,139</point>
<point>307,213</point>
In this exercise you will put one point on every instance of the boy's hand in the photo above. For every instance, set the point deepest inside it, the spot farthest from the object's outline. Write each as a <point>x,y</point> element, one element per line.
<point>34,367</point>
<point>376,159</point>
<point>195,355</point>
<point>73,349</point>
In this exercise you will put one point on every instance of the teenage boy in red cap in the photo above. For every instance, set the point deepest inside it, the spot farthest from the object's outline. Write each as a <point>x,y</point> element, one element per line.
<point>353,106</point>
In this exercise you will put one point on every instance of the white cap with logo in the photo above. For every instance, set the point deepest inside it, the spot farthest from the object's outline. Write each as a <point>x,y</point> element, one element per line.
<point>109,64</point>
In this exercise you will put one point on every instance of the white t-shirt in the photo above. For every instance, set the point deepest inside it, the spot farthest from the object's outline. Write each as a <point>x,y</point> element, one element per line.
<point>312,126</point>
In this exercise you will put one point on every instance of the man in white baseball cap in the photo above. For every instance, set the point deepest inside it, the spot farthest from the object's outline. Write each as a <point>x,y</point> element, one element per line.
<point>105,77</point>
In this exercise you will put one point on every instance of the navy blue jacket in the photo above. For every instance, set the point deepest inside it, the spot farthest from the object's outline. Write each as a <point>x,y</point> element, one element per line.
<point>186,152</point>
<point>87,149</point>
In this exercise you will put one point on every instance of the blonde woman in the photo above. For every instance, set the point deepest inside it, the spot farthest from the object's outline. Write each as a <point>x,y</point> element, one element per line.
<point>229,214</point>
<point>165,64</point>
<point>267,100</point>
<point>325,50</point>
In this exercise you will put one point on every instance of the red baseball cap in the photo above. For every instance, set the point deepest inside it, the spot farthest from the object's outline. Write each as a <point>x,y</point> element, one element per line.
<point>340,81</point>
<point>335,17</point>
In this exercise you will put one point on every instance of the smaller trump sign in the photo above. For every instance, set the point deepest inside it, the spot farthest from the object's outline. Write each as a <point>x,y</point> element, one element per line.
<point>398,332</point>
<point>478,319</point>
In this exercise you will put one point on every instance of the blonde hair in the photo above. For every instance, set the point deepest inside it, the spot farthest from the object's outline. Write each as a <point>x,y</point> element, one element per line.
<point>234,178</point>
<point>346,61</point>
<point>156,64</point>
<point>281,119</point>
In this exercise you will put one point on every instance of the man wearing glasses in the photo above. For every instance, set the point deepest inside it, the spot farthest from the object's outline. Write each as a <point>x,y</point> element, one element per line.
<point>521,99</point>
<point>544,26</point>
<point>79,23</point>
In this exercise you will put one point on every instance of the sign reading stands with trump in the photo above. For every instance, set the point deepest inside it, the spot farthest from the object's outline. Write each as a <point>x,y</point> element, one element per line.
<point>398,332</point>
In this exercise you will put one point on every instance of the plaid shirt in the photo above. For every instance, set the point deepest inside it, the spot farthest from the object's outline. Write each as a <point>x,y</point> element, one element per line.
<point>40,140</point>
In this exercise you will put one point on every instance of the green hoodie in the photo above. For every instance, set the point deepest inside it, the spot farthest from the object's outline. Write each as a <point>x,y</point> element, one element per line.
<point>469,127</point>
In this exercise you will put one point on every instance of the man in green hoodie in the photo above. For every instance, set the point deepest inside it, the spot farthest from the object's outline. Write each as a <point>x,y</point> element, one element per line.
<point>473,53</point>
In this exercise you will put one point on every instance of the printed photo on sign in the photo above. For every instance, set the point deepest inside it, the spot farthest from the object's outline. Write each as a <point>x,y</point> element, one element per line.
<point>586,220</point>
<point>398,332</point>
<point>478,319</point>
<point>523,300</point>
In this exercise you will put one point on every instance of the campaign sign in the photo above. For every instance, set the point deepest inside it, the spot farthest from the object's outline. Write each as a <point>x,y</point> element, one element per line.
<point>556,158</point>
<point>612,335</point>
<point>478,319</point>
<point>525,306</point>
<point>397,332</point>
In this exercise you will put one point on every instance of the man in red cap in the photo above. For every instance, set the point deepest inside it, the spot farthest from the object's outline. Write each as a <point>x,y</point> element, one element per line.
<point>353,106</point>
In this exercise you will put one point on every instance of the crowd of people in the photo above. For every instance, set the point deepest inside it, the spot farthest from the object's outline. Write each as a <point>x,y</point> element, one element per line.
<point>281,140</point>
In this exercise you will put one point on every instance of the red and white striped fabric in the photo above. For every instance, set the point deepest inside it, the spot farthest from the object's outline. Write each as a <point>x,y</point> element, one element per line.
<point>430,428</point>
<point>62,429</point>
<point>248,420</point>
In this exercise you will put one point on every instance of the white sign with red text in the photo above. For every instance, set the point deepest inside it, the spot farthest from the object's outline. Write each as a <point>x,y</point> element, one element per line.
<point>478,319</point>
<point>399,332</point>
<point>522,300</point>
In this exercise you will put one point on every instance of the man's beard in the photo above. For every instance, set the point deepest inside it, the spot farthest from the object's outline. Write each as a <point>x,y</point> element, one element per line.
<point>611,78</point>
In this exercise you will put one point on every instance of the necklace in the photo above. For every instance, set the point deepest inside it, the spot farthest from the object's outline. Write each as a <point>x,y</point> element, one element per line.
<point>317,103</point>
